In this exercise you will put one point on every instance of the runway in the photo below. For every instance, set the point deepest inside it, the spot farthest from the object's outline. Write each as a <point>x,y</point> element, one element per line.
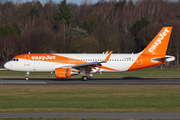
<point>93,81</point>
<point>94,115</point>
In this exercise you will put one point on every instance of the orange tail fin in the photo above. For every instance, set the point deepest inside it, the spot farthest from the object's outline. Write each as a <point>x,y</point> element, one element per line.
<point>158,45</point>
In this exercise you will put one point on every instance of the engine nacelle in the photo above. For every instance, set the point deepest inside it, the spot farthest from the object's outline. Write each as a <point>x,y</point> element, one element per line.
<point>63,72</point>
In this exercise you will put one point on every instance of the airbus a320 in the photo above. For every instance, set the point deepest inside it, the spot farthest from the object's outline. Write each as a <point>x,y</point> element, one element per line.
<point>66,65</point>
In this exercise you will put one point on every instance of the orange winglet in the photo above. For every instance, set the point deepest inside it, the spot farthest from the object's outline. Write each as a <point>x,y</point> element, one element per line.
<point>107,58</point>
<point>107,52</point>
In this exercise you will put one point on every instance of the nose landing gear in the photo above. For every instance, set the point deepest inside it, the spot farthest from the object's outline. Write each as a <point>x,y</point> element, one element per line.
<point>27,76</point>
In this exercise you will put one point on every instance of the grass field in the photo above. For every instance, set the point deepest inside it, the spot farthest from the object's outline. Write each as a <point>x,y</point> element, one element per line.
<point>143,73</point>
<point>93,98</point>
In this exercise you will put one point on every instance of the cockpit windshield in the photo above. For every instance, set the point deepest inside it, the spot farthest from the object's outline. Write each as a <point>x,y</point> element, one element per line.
<point>14,59</point>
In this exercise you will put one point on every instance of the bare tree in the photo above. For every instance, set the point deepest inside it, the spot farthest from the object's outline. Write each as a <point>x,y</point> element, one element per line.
<point>7,48</point>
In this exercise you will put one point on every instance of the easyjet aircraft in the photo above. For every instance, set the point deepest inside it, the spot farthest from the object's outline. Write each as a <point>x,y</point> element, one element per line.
<point>66,65</point>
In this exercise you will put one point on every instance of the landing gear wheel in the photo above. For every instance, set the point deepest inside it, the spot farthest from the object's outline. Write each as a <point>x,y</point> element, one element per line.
<point>27,78</point>
<point>91,75</point>
<point>84,78</point>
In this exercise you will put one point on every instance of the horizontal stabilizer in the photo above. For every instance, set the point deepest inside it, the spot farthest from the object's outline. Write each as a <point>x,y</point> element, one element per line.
<point>167,58</point>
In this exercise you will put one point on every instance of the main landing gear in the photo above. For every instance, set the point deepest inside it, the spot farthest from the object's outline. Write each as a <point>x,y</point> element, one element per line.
<point>27,76</point>
<point>84,78</point>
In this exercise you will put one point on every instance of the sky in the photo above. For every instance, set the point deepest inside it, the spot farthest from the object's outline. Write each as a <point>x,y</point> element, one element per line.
<point>58,1</point>
<point>79,1</point>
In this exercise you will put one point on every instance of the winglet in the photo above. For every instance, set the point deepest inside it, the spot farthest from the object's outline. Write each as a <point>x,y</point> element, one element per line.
<point>107,52</point>
<point>107,58</point>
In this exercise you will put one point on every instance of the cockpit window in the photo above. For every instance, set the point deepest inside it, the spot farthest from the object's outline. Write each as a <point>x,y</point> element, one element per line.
<point>14,59</point>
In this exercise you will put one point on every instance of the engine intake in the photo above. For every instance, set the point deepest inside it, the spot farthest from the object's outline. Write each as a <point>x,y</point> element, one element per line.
<point>63,72</point>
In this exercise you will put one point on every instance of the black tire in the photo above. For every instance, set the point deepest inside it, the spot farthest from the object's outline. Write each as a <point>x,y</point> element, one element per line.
<point>84,78</point>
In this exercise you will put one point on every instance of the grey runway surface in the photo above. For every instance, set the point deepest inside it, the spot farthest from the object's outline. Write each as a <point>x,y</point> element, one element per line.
<point>94,115</point>
<point>93,81</point>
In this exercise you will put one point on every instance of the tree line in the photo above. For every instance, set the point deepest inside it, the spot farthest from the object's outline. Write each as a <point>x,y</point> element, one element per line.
<point>123,26</point>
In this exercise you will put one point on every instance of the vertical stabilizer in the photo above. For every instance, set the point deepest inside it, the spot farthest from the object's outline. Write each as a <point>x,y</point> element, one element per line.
<point>158,45</point>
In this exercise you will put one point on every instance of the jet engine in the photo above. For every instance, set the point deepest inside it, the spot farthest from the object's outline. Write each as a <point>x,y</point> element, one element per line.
<point>64,72</point>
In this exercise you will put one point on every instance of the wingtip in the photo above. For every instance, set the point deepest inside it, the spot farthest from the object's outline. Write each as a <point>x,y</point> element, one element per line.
<point>107,58</point>
<point>107,52</point>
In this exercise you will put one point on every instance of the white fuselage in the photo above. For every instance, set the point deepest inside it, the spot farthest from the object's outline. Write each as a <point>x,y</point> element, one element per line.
<point>117,62</point>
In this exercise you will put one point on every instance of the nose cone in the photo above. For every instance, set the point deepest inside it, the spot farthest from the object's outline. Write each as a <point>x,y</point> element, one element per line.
<point>7,65</point>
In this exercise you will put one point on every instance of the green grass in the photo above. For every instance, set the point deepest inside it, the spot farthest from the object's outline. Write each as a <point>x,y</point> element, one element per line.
<point>143,73</point>
<point>93,98</point>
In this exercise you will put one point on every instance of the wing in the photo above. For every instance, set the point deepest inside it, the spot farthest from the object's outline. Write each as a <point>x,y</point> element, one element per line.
<point>92,65</point>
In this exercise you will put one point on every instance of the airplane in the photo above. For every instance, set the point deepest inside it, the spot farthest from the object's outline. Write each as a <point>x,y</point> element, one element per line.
<point>65,65</point>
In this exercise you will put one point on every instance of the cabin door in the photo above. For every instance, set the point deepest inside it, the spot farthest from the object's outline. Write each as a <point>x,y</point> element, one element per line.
<point>26,60</point>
